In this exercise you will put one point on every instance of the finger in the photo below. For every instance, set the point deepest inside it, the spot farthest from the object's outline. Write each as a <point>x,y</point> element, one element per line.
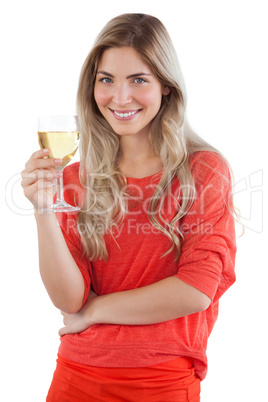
<point>41,163</point>
<point>62,331</point>
<point>39,174</point>
<point>64,313</point>
<point>41,153</point>
<point>28,178</point>
<point>38,186</point>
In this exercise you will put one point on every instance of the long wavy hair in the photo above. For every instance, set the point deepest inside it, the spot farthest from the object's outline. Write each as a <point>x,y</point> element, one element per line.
<point>105,203</point>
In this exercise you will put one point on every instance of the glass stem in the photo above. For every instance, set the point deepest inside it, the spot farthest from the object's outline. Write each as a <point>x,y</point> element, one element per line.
<point>60,196</point>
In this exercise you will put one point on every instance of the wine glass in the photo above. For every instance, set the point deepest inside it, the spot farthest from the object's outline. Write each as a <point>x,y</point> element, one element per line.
<point>59,134</point>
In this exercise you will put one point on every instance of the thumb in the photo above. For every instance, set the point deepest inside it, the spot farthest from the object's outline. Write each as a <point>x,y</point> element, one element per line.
<point>62,332</point>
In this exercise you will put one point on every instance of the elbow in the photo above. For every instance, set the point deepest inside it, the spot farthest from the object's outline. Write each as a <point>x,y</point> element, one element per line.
<point>68,306</point>
<point>190,300</point>
<point>68,309</point>
<point>72,309</point>
<point>203,303</point>
<point>197,302</point>
<point>69,300</point>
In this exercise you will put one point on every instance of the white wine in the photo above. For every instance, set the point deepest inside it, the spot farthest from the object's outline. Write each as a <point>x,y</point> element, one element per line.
<point>62,144</point>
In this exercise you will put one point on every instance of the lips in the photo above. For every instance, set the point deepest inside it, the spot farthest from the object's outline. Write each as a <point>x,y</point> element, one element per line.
<point>125,114</point>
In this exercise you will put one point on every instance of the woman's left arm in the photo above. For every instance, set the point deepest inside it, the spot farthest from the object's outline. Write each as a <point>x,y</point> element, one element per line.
<point>165,300</point>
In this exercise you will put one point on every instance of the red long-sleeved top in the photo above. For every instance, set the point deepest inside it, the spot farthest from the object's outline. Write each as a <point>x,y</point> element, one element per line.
<point>135,259</point>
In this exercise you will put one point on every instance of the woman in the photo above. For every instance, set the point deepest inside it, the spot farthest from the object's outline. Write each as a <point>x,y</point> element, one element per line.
<point>139,272</point>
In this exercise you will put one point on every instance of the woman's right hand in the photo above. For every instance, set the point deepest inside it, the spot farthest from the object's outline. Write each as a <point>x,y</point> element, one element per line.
<point>38,179</point>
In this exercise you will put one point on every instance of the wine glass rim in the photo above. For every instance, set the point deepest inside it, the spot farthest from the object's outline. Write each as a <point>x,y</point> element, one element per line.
<point>58,121</point>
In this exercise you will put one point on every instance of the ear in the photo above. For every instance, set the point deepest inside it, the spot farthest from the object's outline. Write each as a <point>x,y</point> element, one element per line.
<point>165,91</point>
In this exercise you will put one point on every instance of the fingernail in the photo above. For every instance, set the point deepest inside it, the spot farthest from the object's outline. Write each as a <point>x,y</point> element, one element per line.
<point>58,161</point>
<point>45,150</point>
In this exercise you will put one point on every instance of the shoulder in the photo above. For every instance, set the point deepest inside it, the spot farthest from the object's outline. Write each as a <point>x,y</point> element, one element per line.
<point>211,175</point>
<point>208,160</point>
<point>206,165</point>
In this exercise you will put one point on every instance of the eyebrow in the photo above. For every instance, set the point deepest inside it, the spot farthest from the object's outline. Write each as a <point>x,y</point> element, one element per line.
<point>129,76</point>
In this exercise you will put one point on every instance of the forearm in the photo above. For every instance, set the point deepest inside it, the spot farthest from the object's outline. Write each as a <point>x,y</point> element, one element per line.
<point>59,272</point>
<point>162,301</point>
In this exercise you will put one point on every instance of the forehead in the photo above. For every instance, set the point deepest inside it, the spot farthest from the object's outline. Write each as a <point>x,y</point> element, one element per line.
<point>122,60</point>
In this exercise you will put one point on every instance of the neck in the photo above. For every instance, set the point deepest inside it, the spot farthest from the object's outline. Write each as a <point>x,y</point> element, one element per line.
<point>137,157</point>
<point>134,146</point>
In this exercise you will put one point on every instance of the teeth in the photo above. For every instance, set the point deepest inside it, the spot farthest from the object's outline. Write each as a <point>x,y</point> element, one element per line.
<point>125,114</point>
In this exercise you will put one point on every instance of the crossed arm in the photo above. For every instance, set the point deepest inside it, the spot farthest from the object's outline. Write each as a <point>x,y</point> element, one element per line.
<point>162,301</point>
<point>165,300</point>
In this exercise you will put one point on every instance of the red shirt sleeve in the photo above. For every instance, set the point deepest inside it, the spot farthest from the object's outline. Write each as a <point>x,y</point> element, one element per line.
<point>68,224</point>
<point>209,247</point>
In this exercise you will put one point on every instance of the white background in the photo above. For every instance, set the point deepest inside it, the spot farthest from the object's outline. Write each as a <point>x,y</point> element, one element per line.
<point>222,48</point>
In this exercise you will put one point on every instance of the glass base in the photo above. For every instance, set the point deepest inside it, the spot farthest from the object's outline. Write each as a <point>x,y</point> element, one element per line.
<point>61,207</point>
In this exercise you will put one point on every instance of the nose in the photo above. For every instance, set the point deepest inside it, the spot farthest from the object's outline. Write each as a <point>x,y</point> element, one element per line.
<point>122,95</point>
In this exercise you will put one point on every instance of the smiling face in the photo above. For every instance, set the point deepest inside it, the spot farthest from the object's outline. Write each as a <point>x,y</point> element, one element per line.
<point>126,91</point>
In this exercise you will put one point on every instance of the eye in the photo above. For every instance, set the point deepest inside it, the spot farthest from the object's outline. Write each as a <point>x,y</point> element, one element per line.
<point>139,80</point>
<point>106,80</point>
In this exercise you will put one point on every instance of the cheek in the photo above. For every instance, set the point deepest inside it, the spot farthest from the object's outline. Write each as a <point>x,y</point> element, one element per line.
<point>101,96</point>
<point>151,98</point>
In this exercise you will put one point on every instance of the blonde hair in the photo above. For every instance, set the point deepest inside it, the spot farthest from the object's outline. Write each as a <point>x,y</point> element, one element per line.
<point>105,202</point>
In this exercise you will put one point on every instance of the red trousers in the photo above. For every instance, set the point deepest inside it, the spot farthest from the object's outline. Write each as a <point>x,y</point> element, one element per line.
<point>174,381</point>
